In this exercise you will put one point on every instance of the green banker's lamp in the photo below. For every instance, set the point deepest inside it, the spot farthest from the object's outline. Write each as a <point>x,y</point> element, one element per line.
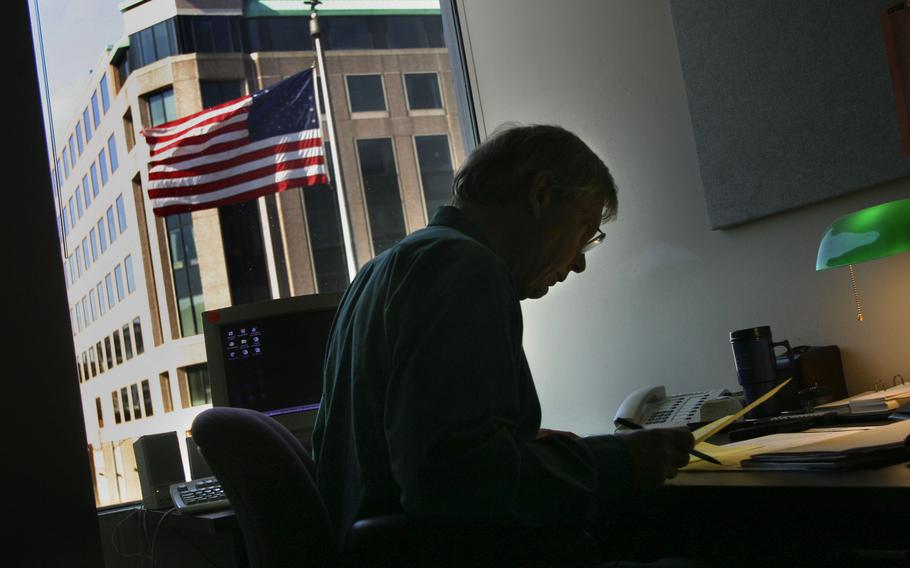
<point>867,234</point>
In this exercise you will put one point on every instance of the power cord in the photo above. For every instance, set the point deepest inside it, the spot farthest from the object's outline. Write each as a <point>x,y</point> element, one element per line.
<point>117,528</point>
<point>155,535</point>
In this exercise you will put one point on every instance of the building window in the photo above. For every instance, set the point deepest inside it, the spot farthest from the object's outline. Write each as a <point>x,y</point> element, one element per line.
<point>86,194</point>
<point>423,91</point>
<point>162,107</point>
<point>102,303</point>
<point>380,187</point>
<point>116,401</point>
<point>324,225</point>
<point>79,137</point>
<point>129,133</point>
<point>88,125</point>
<point>72,213</point>
<point>98,411</point>
<point>78,318</point>
<point>126,404</point>
<point>137,404</point>
<point>278,34</point>
<point>102,165</point>
<point>112,152</point>
<point>111,229</point>
<point>93,303</point>
<point>137,334</point>
<point>127,342</point>
<point>166,395</point>
<point>209,34</point>
<point>93,238</point>
<point>93,171</point>
<point>108,284</point>
<point>79,261</point>
<point>66,221</point>
<point>128,268</point>
<point>118,278</point>
<point>105,101</point>
<point>101,367</point>
<point>85,371</point>
<point>85,254</point>
<point>72,148</point>
<point>147,398</point>
<point>79,209</point>
<point>365,93</point>
<point>121,214</point>
<point>102,237</point>
<point>215,93</point>
<point>118,347</point>
<point>244,253</point>
<point>435,162</point>
<point>109,353</point>
<point>153,43</point>
<point>93,365</point>
<point>185,269</point>
<point>96,116</point>
<point>199,387</point>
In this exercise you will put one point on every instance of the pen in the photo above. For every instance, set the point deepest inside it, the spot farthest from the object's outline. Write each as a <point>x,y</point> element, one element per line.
<point>694,452</point>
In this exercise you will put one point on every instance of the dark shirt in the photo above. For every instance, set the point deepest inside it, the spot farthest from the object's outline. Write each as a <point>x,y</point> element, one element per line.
<point>429,407</point>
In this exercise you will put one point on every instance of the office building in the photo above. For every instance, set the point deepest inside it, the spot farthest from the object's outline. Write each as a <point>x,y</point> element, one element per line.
<point>139,284</point>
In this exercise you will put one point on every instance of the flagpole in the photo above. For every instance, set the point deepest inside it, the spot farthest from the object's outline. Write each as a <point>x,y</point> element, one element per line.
<point>330,128</point>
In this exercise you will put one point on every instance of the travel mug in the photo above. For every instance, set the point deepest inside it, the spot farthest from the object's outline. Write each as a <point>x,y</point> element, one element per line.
<point>756,367</point>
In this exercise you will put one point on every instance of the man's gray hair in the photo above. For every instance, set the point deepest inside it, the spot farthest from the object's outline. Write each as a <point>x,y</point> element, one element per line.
<point>510,159</point>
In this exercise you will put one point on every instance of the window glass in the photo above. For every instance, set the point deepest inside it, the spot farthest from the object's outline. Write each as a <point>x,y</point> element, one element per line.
<point>72,149</point>
<point>162,107</point>
<point>118,278</point>
<point>105,102</point>
<point>346,32</point>
<point>128,267</point>
<point>79,137</point>
<point>166,396</point>
<point>93,239</point>
<point>79,261</point>
<point>137,404</point>
<point>85,253</point>
<point>102,166</point>
<point>116,400</point>
<point>98,412</point>
<point>216,92</point>
<point>88,127</point>
<point>102,302</point>
<point>436,175</point>
<point>121,214</point>
<point>111,229</point>
<point>118,347</point>
<point>102,236</point>
<point>137,335</point>
<point>127,415</point>
<point>66,165</point>
<point>109,353</point>
<point>93,304</point>
<point>96,115</point>
<point>278,34</point>
<point>112,152</point>
<point>93,171</point>
<point>200,387</point>
<point>66,220</point>
<point>365,93</point>
<point>147,398</point>
<point>209,34</point>
<point>380,187</point>
<point>127,342</point>
<point>85,311</point>
<point>78,318</point>
<point>185,271</point>
<point>423,91</point>
<point>86,194</point>
<point>72,213</point>
<point>109,287</point>
<point>79,209</point>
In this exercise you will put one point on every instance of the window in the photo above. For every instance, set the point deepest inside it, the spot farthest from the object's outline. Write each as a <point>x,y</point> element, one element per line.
<point>128,134</point>
<point>78,318</point>
<point>79,261</point>
<point>93,171</point>
<point>102,303</point>
<point>244,253</point>
<point>436,175</point>
<point>86,194</point>
<point>199,385</point>
<point>88,127</point>
<point>118,278</point>
<point>118,347</point>
<point>279,34</point>
<point>101,367</point>
<point>349,33</point>
<point>423,91</point>
<point>85,371</point>
<point>166,396</point>
<point>102,165</point>
<point>365,93</point>
<point>153,43</point>
<point>72,148</point>
<point>66,165</point>
<point>185,269</point>
<point>58,171</point>
<point>102,238</point>
<point>126,405</point>
<point>79,137</point>
<point>137,404</point>
<point>93,303</point>
<point>209,34</point>
<point>79,209</point>
<point>92,364</point>
<point>105,102</point>
<point>116,401</point>
<point>98,411</point>
<point>128,267</point>
<point>147,398</point>
<point>112,152</point>
<point>66,221</point>
<point>96,115</point>
<point>93,238</point>
<point>111,229</point>
<point>121,214</point>
<point>216,92</point>
<point>127,342</point>
<point>380,187</point>
<point>109,354</point>
<point>85,254</point>
<point>110,290</point>
<point>72,213</point>
<point>137,333</point>
<point>162,107</point>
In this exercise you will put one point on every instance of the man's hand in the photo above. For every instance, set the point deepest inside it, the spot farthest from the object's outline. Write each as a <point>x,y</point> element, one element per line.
<point>543,432</point>
<point>657,454</point>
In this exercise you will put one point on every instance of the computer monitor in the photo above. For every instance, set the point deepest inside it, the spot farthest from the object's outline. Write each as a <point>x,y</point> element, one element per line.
<point>268,356</point>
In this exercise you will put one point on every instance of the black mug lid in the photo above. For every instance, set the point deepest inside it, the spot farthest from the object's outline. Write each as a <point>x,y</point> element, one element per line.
<point>751,333</point>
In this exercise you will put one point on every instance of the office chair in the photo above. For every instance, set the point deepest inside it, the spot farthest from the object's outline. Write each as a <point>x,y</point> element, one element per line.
<point>268,476</point>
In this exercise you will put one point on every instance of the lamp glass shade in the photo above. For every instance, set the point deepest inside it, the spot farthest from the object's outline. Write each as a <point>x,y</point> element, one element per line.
<point>867,234</point>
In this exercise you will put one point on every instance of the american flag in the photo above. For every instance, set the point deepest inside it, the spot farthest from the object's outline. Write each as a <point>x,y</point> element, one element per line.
<point>240,150</point>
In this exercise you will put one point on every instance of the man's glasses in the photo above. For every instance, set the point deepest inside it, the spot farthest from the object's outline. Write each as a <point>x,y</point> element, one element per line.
<point>593,241</point>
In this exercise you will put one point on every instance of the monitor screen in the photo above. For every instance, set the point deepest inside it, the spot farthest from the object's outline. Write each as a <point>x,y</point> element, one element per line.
<point>268,356</point>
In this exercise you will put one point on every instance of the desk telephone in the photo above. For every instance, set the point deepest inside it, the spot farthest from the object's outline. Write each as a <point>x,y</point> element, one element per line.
<point>652,408</point>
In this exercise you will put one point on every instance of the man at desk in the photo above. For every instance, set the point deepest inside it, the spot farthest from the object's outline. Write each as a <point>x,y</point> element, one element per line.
<point>429,408</point>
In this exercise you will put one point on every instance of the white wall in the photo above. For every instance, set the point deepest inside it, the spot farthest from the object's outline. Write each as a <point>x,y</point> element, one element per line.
<point>660,297</point>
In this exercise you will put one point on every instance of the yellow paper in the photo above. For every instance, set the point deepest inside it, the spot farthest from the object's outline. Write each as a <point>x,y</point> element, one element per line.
<point>709,430</point>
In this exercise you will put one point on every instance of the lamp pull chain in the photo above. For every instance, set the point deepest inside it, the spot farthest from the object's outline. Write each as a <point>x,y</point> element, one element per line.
<point>859,306</point>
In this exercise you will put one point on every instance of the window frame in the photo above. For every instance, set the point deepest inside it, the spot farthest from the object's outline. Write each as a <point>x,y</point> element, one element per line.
<point>366,114</point>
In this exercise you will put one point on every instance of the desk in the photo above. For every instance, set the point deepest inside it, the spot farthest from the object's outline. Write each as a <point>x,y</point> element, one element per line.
<point>771,518</point>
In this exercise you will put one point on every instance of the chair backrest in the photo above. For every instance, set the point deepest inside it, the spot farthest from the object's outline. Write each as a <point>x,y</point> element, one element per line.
<point>267,475</point>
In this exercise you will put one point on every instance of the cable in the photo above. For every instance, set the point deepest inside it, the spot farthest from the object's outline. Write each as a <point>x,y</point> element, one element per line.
<point>114,536</point>
<point>155,535</point>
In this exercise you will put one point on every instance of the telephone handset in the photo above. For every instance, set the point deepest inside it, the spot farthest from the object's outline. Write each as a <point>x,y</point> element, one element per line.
<point>652,408</point>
